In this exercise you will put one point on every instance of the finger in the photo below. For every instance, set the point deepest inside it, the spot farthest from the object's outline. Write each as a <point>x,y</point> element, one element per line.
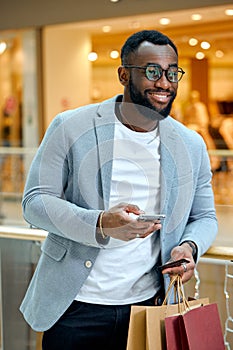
<point>184,265</point>
<point>135,235</point>
<point>174,270</point>
<point>157,226</point>
<point>149,226</point>
<point>133,208</point>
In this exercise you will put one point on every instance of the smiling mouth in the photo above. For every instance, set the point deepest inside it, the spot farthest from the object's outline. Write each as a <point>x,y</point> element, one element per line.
<point>160,97</point>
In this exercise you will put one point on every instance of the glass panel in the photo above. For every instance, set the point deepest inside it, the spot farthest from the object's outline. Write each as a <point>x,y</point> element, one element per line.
<point>18,261</point>
<point>19,118</point>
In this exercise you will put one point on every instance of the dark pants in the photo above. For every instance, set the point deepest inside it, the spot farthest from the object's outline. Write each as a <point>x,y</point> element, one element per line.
<point>87,326</point>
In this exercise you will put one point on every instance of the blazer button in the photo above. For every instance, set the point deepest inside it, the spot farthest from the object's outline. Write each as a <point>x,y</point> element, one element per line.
<point>88,264</point>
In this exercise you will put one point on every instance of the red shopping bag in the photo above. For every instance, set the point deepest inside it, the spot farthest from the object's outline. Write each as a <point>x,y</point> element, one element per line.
<point>194,327</point>
<point>200,329</point>
<point>172,330</point>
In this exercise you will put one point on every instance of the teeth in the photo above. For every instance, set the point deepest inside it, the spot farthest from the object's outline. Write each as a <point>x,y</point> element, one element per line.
<point>159,96</point>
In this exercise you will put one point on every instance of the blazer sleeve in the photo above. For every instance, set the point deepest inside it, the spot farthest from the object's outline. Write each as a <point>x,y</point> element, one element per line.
<point>44,203</point>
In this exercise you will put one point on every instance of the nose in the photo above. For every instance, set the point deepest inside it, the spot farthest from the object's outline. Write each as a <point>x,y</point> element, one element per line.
<point>163,82</point>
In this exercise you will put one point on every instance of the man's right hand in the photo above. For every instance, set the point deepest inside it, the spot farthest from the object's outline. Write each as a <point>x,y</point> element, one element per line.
<point>119,224</point>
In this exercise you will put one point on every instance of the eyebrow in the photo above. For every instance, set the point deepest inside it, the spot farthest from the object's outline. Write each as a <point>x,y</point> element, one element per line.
<point>157,64</point>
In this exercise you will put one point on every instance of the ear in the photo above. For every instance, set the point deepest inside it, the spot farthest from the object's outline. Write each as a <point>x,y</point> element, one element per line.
<point>123,75</point>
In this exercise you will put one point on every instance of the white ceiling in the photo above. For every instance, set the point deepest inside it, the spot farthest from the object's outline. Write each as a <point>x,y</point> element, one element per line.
<point>215,27</point>
<point>178,18</point>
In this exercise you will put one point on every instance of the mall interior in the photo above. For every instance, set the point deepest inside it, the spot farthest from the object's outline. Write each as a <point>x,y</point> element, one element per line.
<point>65,54</point>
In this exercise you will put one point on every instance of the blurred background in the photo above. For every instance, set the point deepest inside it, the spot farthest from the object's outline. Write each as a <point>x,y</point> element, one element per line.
<point>60,55</point>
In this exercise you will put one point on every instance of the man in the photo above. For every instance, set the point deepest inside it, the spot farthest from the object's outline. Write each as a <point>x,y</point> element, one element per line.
<point>98,168</point>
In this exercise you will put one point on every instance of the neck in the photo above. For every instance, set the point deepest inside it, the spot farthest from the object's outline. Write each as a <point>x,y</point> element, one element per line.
<point>132,119</point>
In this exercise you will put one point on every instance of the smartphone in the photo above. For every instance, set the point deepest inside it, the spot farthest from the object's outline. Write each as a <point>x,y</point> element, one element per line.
<point>174,264</point>
<point>145,218</point>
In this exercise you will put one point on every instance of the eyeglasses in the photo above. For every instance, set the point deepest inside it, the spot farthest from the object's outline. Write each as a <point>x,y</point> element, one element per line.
<point>154,72</point>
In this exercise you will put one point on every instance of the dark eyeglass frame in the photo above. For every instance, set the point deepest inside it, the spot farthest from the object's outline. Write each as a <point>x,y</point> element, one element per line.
<point>161,70</point>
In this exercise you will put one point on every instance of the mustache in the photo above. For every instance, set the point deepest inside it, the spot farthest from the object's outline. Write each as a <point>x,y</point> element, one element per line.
<point>167,91</point>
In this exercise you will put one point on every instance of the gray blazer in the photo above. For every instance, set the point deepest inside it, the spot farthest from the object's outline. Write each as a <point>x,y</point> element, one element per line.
<point>69,184</point>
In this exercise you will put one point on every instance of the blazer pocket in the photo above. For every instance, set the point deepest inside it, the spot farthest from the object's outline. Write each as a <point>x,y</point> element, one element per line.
<point>54,249</point>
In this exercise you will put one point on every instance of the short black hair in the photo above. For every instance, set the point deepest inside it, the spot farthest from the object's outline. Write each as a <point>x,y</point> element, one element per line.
<point>153,36</point>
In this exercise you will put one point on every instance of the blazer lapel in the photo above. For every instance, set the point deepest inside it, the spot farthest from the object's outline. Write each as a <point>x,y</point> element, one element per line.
<point>105,123</point>
<point>176,174</point>
<point>168,150</point>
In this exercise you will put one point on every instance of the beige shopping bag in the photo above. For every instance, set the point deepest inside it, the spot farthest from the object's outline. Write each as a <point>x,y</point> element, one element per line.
<point>147,326</point>
<point>137,328</point>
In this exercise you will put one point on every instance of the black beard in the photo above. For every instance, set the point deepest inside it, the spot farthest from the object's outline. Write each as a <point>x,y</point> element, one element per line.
<point>151,112</point>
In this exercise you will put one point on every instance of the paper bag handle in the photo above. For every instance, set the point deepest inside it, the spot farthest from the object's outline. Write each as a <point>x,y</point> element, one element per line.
<point>179,295</point>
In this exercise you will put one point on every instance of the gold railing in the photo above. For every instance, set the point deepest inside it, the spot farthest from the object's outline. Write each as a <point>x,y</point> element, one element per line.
<point>221,153</point>
<point>221,253</point>
<point>22,233</point>
<point>214,252</point>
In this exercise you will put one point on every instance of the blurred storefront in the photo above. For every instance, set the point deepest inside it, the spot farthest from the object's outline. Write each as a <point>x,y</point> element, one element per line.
<point>19,88</point>
<point>44,65</point>
<point>45,68</point>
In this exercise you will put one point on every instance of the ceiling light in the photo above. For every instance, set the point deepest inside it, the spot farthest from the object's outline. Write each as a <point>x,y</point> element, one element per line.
<point>229,12</point>
<point>196,17</point>
<point>92,56</point>
<point>219,53</point>
<point>106,29</point>
<point>164,21</point>
<point>193,42</point>
<point>3,47</point>
<point>200,55</point>
<point>205,45</point>
<point>114,54</point>
<point>114,0</point>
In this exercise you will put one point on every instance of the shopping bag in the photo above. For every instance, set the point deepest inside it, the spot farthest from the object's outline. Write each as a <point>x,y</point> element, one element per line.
<point>195,327</point>
<point>169,311</point>
<point>173,335</point>
<point>200,329</point>
<point>172,323</point>
<point>137,328</point>
<point>146,326</point>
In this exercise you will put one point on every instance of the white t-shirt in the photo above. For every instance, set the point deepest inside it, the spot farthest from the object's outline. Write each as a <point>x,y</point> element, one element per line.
<point>121,273</point>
